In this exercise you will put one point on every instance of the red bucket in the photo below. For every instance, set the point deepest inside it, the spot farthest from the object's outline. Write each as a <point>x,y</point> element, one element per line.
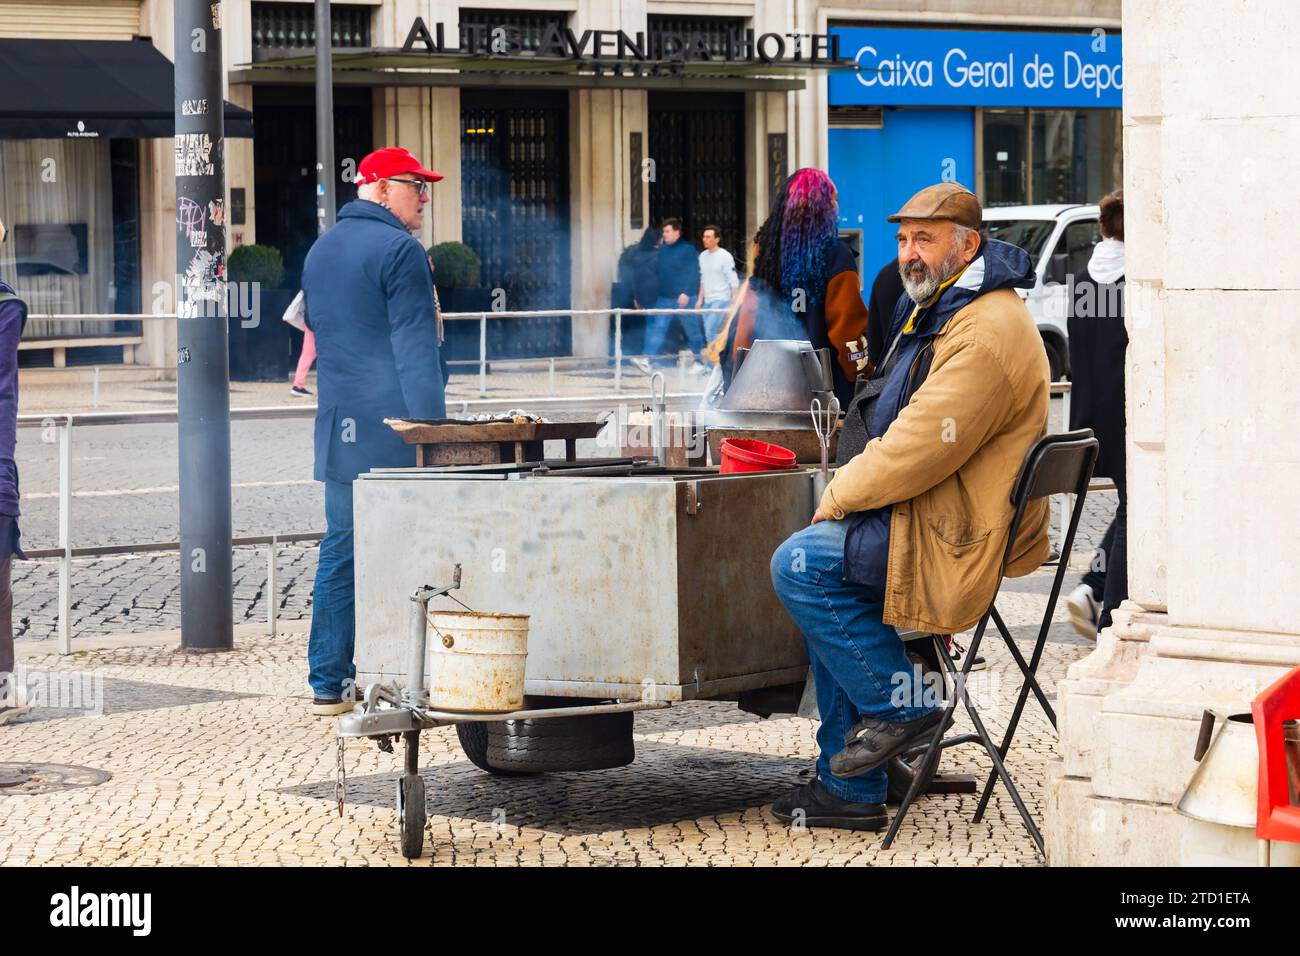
<point>749,454</point>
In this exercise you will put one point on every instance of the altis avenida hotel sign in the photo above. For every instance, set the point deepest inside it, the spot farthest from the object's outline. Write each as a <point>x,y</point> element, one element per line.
<point>619,52</point>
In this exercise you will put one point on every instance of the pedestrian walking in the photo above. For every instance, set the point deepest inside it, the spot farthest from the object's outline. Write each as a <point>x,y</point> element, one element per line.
<point>718,281</point>
<point>305,361</point>
<point>1098,343</point>
<point>642,275</point>
<point>370,305</point>
<point>13,316</point>
<point>677,268</point>
<point>296,317</point>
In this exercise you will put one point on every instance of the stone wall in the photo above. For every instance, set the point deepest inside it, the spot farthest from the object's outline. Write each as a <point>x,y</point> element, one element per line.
<point>1211,132</point>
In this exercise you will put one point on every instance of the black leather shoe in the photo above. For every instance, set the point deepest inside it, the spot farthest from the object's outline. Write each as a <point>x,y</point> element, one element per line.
<point>873,741</point>
<point>812,805</point>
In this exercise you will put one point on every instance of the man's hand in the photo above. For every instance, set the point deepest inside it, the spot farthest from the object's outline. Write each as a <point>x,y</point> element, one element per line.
<point>827,509</point>
<point>683,301</point>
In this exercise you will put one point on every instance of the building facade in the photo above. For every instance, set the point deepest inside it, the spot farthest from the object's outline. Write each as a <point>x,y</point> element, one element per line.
<point>552,172</point>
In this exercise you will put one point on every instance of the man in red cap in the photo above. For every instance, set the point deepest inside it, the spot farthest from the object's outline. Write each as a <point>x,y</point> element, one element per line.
<point>370,303</point>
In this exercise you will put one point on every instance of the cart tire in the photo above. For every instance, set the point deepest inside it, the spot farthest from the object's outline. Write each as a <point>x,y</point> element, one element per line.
<point>558,744</point>
<point>411,815</point>
<point>474,736</point>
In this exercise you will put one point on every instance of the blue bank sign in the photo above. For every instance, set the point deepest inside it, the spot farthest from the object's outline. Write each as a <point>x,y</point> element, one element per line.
<point>968,68</point>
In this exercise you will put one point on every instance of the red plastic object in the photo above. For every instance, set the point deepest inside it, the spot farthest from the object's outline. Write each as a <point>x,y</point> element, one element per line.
<point>1276,818</point>
<point>749,454</point>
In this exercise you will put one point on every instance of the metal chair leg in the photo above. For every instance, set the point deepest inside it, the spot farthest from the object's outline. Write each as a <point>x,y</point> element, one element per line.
<point>1030,670</point>
<point>1031,681</point>
<point>931,752</point>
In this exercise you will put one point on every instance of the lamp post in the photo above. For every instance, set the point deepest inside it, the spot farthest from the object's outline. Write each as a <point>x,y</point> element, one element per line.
<point>203,351</point>
<point>325,208</point>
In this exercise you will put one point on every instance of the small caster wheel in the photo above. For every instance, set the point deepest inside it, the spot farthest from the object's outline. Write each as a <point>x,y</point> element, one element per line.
<point>411,815</point>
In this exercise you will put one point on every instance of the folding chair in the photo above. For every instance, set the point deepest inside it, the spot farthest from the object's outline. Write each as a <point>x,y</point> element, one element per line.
<point>1056,464</point>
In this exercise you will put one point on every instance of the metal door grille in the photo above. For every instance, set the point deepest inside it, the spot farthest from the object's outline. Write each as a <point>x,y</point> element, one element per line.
<point>697,147</point>
<point>524,26</point>
<point>515,189</point>
<point>279,27</point>
<point>715,31</point>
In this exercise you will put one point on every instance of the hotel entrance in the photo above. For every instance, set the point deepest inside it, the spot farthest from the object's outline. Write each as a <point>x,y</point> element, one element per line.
<point>697,143</point>
<point>515,193</point>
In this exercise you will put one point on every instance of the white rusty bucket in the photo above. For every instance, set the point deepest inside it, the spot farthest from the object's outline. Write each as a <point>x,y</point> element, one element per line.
<point>476,660</point>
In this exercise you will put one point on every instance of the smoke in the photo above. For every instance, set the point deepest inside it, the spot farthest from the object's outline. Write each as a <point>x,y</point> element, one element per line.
<point>778,317</point>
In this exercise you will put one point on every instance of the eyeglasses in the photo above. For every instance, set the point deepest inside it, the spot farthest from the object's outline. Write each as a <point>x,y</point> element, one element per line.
<point>421,186</point>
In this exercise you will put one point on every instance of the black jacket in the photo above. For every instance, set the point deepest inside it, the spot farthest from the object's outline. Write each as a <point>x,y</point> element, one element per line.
<point>1098,342</point>
<point>642,276</point>
<point>678,268</point>
<point>886,290</point>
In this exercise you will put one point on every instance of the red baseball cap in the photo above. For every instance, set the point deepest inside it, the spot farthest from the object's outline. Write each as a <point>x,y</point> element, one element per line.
<point>392,161</point>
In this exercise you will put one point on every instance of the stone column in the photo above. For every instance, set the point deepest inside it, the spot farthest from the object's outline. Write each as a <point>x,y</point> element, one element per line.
<point>1211,132</point>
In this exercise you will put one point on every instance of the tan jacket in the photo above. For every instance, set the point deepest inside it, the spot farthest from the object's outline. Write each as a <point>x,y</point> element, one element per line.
<point>948,463</point>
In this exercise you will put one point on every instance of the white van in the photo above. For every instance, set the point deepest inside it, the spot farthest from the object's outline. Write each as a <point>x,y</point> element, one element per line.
<point>1059,240</point>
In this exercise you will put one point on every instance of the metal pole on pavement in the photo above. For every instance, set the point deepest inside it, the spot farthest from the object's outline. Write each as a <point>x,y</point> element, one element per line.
<point>203,349</point>
<point>325,207</point>
<point>65,537</point>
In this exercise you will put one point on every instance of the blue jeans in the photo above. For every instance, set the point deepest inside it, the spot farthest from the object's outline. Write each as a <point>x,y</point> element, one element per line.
<point>657,326</point>
<point>858,662</point>
<point>713,320</point>
<point>331,671</point>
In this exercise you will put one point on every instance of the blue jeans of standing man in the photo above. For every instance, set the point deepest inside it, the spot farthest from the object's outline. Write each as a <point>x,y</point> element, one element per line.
<point>657,326</point>
<point>331,671</point>
<point>713,320</point>
<point>858,662</point>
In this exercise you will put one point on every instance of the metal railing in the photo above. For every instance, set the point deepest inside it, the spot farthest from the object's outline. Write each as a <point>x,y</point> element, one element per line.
<point>616,314</point>
<point>64,423</point>
<point>482,318</point>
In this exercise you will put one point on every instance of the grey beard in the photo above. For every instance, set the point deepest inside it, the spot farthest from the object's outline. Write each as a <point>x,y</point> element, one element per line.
<point>920,290</point>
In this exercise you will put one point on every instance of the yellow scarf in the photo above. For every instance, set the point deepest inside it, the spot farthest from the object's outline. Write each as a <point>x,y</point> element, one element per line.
<point>911,319</point>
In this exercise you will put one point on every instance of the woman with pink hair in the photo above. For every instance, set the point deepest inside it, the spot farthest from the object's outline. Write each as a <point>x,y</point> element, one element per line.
<point>804,282</point>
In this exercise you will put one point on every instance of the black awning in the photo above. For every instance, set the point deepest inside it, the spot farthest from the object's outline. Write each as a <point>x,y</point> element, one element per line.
<point>51,89</point>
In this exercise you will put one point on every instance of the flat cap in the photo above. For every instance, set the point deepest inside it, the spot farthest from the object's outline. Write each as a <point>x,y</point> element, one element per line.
<point>943,201</point>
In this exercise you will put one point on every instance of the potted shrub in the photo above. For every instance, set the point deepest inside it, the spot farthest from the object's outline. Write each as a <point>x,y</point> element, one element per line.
<point>263,351</point>
<point>456,272</point>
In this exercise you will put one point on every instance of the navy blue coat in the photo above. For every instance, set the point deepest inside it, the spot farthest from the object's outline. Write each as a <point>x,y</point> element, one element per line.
<point>369,292</point>
<point>678,268</point>
<point>13,316</point>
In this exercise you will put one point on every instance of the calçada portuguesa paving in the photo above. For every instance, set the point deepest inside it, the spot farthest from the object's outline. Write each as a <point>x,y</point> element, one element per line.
<point>213,759</point>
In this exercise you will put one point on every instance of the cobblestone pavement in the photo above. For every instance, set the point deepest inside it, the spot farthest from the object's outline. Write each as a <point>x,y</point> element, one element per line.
<point>125,485</point>
<point>213,759</point>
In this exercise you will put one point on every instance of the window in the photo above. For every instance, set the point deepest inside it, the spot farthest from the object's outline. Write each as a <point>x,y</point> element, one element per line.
<point>715,31</point>
<point>280,27</point>
<point>72,210</point>
<point>1065,156</point>
<point>1004,157</point>
<point>525,27</point>
<point>1076,244</point>
<point>1028,234</point>
<point>1076,155</point>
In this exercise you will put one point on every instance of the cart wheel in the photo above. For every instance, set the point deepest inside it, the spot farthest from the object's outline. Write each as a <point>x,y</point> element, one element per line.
<point>411,815</point>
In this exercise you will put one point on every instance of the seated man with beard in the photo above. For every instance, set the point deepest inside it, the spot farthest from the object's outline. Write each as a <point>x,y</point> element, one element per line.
<point>911,531</point>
